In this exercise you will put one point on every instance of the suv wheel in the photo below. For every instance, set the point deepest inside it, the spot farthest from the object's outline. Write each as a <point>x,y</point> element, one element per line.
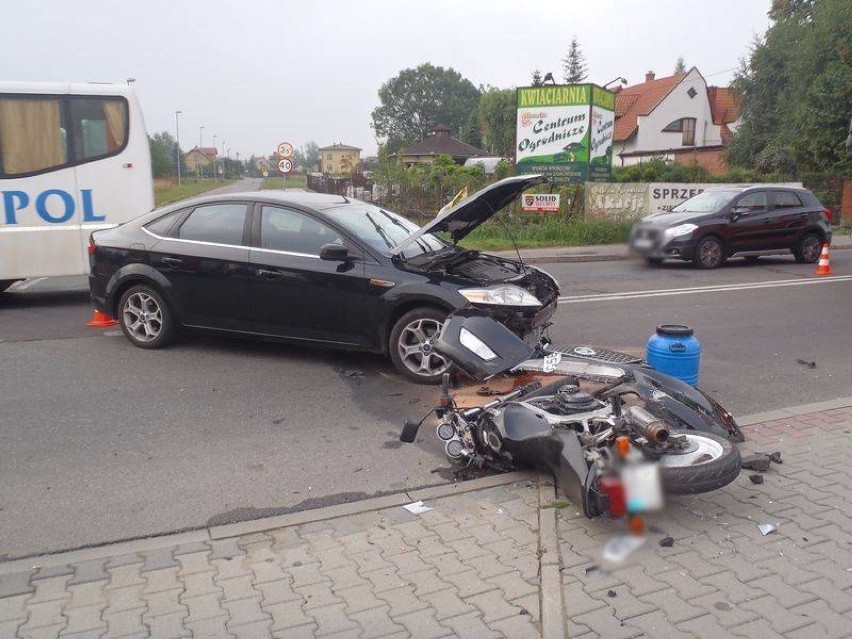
<point>411,345</point>
<point>809,248</point>
<point>709,253</point>
<point>145,317</point>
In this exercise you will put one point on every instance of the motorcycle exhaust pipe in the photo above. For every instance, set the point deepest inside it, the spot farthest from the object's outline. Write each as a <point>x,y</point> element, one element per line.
<point>654,430</point>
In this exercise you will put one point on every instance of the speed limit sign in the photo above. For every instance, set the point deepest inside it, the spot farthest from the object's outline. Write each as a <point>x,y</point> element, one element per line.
<point>285,150</point>
<point>285,166</point>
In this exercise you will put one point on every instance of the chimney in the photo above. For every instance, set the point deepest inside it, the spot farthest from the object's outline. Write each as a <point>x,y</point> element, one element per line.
<point>649,76</point>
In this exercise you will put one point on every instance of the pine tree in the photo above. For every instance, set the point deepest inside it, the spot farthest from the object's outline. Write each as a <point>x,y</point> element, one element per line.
<point>574,64</point>
<point>680,66</point>
<point>536,78</point>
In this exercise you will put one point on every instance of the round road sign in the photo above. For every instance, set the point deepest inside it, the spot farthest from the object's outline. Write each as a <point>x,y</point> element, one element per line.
<point>265,173</point>
<point>285,166</point>
<point>285,150</point>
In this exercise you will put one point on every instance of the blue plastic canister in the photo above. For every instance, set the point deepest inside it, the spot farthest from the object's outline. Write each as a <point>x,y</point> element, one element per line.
<point>674,350</point>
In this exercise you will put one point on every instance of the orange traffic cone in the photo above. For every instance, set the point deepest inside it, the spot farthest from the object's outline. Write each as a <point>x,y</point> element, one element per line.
<point>101,320</point>
<point>824,267</point>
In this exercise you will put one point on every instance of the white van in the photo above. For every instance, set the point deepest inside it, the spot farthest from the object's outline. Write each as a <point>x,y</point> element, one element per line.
<point>73,158</point>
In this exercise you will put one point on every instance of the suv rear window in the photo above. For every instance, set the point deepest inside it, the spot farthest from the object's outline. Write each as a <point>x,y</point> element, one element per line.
<point>786,200</point>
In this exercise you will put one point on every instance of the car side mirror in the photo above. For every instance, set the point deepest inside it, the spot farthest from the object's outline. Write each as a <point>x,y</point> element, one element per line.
<point>334,252</point>
<point>739,211</point>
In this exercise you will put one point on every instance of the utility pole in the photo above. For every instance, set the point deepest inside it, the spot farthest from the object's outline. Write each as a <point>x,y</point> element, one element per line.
<point>200,144</point>
<point>177,142</point>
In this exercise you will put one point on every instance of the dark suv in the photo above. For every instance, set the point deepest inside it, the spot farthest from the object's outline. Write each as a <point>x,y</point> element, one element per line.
<point>719,223</point>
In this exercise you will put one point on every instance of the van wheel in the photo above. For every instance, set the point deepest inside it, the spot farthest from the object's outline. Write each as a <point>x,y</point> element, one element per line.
<point>411,345</point>
<point>709,253</point>
<point>145,317</point>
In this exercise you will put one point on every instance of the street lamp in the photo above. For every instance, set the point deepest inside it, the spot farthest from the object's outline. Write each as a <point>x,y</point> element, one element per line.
<point>201,153</point>
<point>623,82</point>
<point>214,157</point>
<point>223,158</point>
<point>177,142</point>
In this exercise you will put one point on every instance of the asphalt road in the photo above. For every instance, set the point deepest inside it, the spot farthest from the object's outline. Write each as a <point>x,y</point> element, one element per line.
<point>100,441</point>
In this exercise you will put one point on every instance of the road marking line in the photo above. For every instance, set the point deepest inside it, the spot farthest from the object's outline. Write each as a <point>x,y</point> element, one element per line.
<point>23,286</point>
<point>721,288</point>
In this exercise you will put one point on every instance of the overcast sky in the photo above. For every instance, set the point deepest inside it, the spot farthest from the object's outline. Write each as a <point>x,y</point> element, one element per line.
<point>256,73</point>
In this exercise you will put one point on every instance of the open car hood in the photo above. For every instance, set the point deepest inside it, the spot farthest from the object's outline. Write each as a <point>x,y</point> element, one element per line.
<point>475,209</point>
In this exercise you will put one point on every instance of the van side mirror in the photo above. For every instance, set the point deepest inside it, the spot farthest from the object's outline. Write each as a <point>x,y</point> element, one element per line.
<point>334,252</point>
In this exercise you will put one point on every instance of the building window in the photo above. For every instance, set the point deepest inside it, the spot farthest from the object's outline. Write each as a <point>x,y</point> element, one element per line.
<point>685,126</point>
<point>692,92</point>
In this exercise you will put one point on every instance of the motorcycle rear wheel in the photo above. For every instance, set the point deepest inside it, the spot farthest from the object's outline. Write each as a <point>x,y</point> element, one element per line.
<point>714,464</point>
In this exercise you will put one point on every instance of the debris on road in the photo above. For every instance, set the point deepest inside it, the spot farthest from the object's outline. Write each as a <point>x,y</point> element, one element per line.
<point>417,508</point>
<point>667,542</point>
<point>758,462</point>
<point>775,457</point>
<point>756,479</point>
<point>765,529</point>
<point>611,593</point>
<point>806,363</point>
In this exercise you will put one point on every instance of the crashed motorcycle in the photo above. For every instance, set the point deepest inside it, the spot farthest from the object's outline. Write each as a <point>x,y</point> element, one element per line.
<point>615,449</point>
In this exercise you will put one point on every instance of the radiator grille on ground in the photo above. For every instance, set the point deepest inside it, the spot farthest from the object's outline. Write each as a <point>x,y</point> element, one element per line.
<point>596,354</point>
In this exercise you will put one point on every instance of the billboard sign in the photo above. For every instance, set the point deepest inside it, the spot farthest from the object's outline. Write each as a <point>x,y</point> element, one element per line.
<point>540,202</point>
<point>565,132</point>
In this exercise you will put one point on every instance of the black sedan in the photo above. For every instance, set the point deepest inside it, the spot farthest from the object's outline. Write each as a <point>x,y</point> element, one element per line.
<point>314,268</point>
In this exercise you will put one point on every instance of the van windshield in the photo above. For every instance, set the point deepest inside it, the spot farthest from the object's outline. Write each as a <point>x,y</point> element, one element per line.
<point>706,202</point>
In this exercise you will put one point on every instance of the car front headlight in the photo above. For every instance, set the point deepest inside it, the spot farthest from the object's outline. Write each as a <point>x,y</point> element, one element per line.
<point>679,231</point>
<point>472,342</point>
<point>505,295</point>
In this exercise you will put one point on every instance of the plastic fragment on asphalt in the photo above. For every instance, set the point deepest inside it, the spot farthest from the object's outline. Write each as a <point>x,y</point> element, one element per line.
<point>759,462</point>
<point>621,547</point>
<point>765,529</point>
<point>775,457</point>
<point>667,542</point>
<point>417,508</point>
<point>756,479</point>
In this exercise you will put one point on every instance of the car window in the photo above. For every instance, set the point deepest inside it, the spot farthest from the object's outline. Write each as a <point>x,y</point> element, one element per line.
<point>294,232</point>
<point>786,200</point>
<point>216,223</point>
<point>163,225</point>
<point>706,202</point>
<point>753,201</point>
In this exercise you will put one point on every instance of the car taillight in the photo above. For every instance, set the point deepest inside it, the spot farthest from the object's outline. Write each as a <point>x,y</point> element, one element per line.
<point>92,246</point>
<point>828,213</point>
<point>612,487</point>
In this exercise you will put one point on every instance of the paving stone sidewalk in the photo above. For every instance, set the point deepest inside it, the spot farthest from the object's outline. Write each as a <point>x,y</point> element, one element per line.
<point>484,563</point>
<point>722,577</point>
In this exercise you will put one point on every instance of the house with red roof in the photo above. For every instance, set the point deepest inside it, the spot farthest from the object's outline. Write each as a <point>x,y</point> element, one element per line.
<point>439,142</point>
<point>677,117</point>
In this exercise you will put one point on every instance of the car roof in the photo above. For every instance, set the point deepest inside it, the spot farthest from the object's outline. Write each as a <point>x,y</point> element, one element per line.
<point>317,201</point>
<point>761,186</point>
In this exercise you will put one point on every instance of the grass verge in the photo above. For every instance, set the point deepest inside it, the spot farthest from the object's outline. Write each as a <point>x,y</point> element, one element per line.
<point>293,182</point>
<point>167,191</point>
<point>545,230</point>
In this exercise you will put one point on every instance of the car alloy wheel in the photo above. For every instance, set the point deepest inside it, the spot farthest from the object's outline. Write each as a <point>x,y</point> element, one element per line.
<point>143,317</point>
<point>416,347</point>
<point>809,249</point>
<point>709,253</point>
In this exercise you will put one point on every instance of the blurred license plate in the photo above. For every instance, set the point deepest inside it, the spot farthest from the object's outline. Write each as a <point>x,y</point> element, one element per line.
<point>643,243</point>
<point>643,489</point>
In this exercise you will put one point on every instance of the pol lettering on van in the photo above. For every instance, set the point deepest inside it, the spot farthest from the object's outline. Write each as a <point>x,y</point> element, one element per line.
<point>54,206</point>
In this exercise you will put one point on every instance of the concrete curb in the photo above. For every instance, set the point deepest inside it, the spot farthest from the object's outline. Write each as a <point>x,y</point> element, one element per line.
<point>794,411</point>
<point>553,619</point>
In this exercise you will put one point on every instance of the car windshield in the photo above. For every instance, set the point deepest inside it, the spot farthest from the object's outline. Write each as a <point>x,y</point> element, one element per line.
<point>705,202</point>
<point>383,230</point>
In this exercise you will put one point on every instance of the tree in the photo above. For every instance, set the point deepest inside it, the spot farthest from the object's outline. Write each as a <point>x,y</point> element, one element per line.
<point>574,64</point>
<point>498,113</point>
<point>536,78</point>
<point>680,66</point>
<point>794,89</point>
<point>163,150</point>
<point>311,153</point>
<point>417,100</point>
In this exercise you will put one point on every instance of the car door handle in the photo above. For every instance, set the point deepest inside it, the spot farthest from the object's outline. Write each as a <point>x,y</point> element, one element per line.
<point>172,261</point>
<point>270,275</point>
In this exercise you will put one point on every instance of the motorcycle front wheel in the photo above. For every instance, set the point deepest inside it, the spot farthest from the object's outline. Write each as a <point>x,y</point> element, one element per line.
<point>709,463</point>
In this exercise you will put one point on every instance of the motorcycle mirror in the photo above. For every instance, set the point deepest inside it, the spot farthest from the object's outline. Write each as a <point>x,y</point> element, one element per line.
<point>409,432</point>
